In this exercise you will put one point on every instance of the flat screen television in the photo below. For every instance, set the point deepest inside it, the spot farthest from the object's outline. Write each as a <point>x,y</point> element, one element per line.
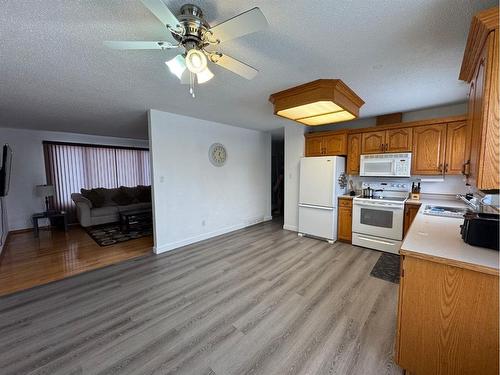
<point>5,170</point>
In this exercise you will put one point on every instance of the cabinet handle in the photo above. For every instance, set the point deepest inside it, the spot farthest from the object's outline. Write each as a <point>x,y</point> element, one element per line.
<point>382,147</point>
<point>440,168</point>
<point>446,167</point>
<point>386,147</point>
<point>464,172</point>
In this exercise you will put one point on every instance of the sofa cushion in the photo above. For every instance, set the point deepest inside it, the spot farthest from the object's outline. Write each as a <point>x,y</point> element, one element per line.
<point>144,193</point>
<point>104,211</point>
<point>95,196</point>
<point>134,206</point>
<point>131,191</point>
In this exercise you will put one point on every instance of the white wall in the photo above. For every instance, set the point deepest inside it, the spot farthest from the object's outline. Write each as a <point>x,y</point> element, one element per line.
<point>294,150</point>
<point>192,199</point>
<point>428,184</point>
<point>28,167</point>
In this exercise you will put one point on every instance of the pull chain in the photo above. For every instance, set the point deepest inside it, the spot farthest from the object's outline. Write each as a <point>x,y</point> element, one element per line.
<point>191,84</point>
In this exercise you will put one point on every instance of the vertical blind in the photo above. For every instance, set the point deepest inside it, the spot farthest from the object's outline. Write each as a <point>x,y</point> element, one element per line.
<point>70,167</point>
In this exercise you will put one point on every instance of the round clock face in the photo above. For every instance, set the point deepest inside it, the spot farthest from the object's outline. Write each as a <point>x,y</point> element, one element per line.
<point>217,154</point>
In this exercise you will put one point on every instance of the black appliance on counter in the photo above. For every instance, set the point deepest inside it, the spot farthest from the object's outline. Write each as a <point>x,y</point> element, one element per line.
<point>481,229</point>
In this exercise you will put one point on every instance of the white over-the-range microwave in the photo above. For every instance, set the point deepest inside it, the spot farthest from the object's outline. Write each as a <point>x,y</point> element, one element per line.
<point>386,165</point>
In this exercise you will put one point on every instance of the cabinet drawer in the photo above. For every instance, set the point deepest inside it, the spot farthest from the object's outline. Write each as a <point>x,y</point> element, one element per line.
<point>345,202</point>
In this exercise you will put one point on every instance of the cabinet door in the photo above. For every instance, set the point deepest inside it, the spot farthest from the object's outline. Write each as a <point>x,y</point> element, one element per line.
<point>344,231</point>
<point>429,144</point>
<point>335,144</point>
<point>457,147</point>
<point>447,319</point>
<point>398,140</point>
<point>353,153</point>
<point>483,118</point>
<point>411,211</point>
<point>373,142</point>
<point>314,146</point>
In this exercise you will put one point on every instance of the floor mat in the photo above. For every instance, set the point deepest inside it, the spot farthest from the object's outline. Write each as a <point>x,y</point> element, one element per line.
<point>387,268</point>
<point>109,234</point>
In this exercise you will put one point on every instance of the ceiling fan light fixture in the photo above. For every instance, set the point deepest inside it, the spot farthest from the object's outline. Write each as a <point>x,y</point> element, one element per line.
<point>196,61</point>
<point>177,66</point>
<point>321,102</point>
<point>204,76</point>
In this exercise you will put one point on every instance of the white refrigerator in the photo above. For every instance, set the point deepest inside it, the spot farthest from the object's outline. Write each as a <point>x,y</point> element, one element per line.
<point>319,190</point>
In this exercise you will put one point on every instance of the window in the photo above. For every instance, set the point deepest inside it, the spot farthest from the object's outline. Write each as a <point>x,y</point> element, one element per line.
<point>71,166</point>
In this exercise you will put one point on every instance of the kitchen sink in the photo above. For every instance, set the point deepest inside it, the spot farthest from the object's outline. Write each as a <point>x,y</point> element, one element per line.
<point>445,211</point>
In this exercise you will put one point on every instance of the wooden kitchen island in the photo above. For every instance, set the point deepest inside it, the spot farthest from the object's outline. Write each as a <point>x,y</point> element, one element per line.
<point>448,311</point>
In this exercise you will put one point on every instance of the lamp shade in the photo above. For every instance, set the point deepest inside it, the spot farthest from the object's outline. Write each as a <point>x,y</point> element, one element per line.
<point>45,190</point>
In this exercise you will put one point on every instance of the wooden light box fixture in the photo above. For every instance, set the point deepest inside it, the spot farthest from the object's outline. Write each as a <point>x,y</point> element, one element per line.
<point>320,102</point>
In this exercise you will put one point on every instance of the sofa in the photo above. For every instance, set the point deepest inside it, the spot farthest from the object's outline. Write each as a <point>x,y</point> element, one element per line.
<point>101,205</point>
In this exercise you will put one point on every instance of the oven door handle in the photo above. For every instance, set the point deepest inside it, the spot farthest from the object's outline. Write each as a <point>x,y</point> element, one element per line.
<point>374,240</point>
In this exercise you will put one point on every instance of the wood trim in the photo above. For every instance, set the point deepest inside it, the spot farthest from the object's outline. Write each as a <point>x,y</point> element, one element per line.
<point>451,262</point>
<point>481,25</point>
<point>94,145</point>
<point>389,119</point>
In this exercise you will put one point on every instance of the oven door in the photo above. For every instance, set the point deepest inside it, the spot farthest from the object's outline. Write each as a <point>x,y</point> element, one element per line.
<point>378,219</point>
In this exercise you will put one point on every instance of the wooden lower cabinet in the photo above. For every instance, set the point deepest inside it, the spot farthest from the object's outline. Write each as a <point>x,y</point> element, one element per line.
<point>447,318</point>
<point>344,226</point>
<point>411,211</point>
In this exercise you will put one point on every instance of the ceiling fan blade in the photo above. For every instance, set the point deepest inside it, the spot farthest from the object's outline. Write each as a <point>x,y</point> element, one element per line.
<point>236,66</point>
<point>245,23</point>
<point>139,45</point>
<point>161,11</point>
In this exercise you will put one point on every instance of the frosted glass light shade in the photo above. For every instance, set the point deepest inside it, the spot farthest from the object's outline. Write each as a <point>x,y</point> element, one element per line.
<point>328,118</point>
<point>177,66</point>
<point>317,113</point>
<point>204,76</point>
<point>196,61</point>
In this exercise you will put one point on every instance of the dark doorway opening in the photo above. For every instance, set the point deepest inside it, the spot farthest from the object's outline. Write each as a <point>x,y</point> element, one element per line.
<point>277,177</point>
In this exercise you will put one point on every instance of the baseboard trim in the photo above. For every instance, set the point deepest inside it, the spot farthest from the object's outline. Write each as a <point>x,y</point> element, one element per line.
<point>292,228</point>
<point>205,236</point>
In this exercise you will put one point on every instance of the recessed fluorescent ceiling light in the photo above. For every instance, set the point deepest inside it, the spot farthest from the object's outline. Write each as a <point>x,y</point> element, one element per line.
<point>324,101</point>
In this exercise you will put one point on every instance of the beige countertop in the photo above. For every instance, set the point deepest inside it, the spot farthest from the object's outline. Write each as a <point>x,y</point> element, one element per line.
<point>439,238</point>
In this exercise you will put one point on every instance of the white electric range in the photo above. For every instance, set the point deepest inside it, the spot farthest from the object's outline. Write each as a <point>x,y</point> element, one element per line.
<point>377,223</point>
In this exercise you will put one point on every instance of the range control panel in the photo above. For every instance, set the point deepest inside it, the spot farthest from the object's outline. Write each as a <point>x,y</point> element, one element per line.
<point>387,186</point>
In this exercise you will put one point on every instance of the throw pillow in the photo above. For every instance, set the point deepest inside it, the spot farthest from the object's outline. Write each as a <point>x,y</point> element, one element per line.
<point>131,192</point>
<point>94,196</point>
<point>122,198</point>
<point>144,194</point>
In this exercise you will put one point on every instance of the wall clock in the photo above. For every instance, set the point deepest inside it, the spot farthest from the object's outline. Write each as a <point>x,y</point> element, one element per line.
<point>217,154</point>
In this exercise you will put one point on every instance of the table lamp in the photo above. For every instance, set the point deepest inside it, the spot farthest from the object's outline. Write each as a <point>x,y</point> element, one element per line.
<point>45,191</point>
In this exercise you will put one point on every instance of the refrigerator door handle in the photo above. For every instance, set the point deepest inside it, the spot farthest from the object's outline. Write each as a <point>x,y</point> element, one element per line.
<point>318,207</point>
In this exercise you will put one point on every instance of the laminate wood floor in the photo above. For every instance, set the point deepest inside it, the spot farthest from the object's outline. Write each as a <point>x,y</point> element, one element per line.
<point>27,261</point>
<point>256,301</point>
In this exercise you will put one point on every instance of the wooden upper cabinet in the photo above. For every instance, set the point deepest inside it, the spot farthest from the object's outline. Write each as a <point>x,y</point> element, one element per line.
<point>326,144</point>
<point>335,144</point>
<point>398,140</point>
<point>314,146</point>
<point>457,147</point>
<point>353,153</point>
<point>373,142</point>
<point>429,144</point>
<point>480,70</point>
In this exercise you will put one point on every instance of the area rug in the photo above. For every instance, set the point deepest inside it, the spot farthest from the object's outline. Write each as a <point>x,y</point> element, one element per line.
<point>387,268</point>
<point>109,234</point>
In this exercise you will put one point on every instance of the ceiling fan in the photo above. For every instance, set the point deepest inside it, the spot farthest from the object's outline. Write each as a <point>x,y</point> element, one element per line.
<point>192,33</point>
